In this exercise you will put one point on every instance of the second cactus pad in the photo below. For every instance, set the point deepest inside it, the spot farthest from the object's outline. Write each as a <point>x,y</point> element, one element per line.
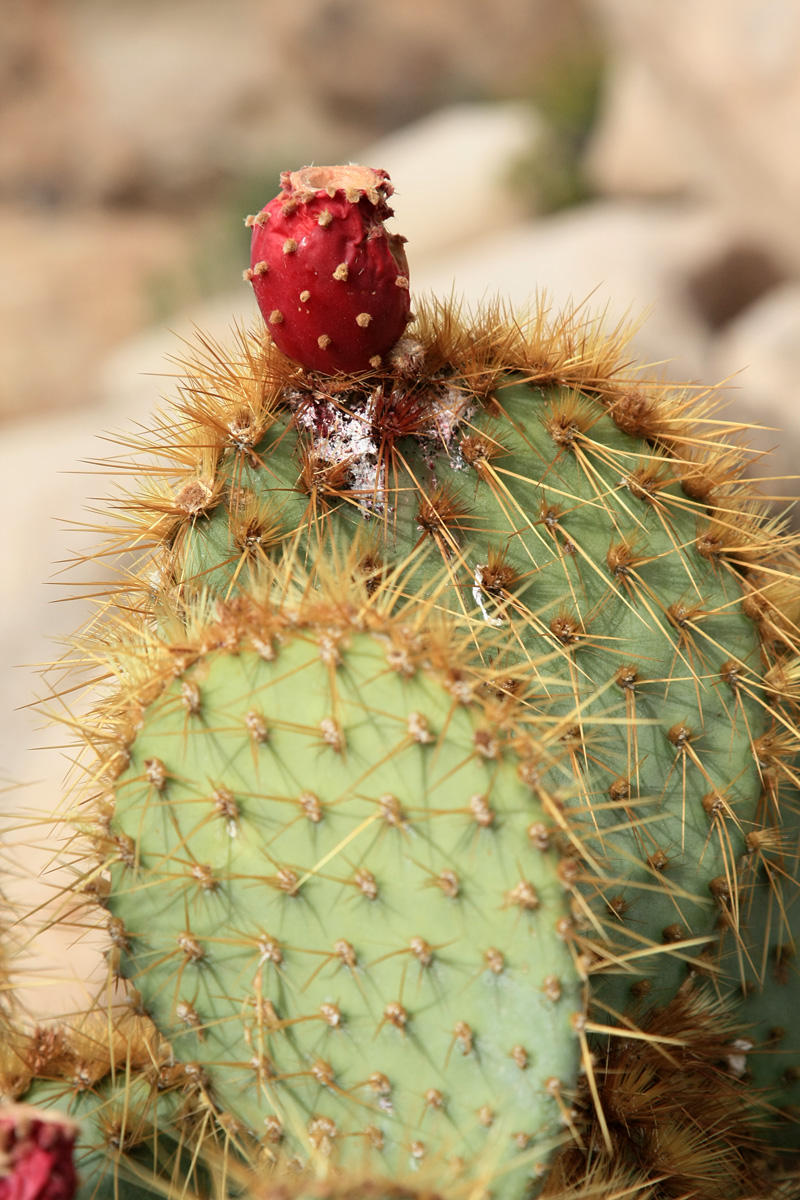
<point>332,885</point>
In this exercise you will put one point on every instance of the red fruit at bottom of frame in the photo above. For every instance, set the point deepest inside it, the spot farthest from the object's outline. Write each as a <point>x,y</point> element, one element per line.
<point>36,1151</point>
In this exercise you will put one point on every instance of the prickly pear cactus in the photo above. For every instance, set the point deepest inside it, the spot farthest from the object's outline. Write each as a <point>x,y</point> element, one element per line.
<point>447,690</point>
<point>547,520</point>
<point>333,887</point>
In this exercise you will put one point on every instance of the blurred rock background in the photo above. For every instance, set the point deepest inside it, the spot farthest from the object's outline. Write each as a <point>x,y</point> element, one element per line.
<point>640,157</point>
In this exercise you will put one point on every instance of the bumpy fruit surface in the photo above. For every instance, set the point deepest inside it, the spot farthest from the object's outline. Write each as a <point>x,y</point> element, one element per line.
<point>331,283</point>
<point>336,893</point>
<point>36,1155</point>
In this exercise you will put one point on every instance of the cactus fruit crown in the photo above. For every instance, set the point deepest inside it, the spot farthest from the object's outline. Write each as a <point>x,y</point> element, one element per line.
<point>442,802</point>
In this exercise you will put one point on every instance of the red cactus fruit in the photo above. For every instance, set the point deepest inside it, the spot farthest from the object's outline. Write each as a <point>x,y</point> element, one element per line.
<point>331,283</point>
<point>36,1154</point>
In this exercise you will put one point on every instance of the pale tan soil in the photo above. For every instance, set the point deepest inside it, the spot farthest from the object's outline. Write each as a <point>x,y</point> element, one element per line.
<point>74,285</point>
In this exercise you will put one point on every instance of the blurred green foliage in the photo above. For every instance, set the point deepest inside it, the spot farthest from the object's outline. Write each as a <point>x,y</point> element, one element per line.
<point>550,175</point>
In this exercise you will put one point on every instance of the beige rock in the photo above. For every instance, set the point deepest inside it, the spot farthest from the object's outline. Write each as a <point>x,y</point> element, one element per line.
<point>760,353</point>
<point>144,102</point>
<point>74,283</point>
<point>139,101</point>
<point>39,100</point>
<point>623,259</point>
<point>394,60</point>
<point>638,148</point>
<point>718,86</point>
<point>451,170</point>
<point>193,90</point>
<point>43,484</point>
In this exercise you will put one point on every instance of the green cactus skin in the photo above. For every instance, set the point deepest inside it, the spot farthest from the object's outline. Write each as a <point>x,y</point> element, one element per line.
<point>335,900</point>
<point>769,1011</point>
<point>572,537</point>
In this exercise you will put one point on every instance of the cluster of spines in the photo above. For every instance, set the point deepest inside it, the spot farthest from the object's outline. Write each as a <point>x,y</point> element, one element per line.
<point>231,401</point>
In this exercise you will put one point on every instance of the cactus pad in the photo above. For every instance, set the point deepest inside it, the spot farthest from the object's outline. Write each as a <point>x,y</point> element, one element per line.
<point>345,853</point>
<point>333,887</point>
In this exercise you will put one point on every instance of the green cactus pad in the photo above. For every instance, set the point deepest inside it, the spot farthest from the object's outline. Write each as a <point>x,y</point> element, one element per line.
<point>338,900</point>
<point>570,537</point>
